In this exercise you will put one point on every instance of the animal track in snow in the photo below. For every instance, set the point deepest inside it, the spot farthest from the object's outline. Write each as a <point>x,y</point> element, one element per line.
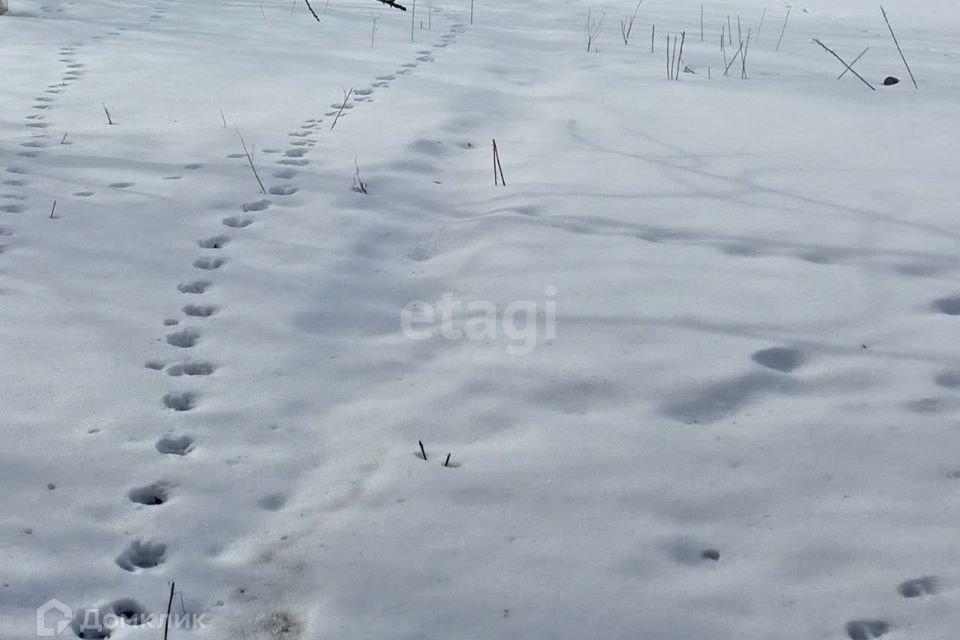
<point>295,153</point>
<point>238,222</point>
<point>263,205</point>
<point>216,242</point>
<point>949,379</point>
<point>13,208</point>
<point>199,310</point>
<point>363,92</point>
<point>925,586</point>
<point>142,555</point>
<point>193,167</point>
<point>296,162</point>
<point>209,264</point>
<point>779,359</point>
<point>273,501</point>
<point>83,194</point>
<point>386,77</point>
<point>130,611</point>
<point>184,339</point>
<point>83,626</point>
<point>191,369</point>
<point>152,495</point>
<point>121,185</point>
<point>196,287</point>
<point>283,190</point>
<point>175,446</point>
<point>183,401</point>
<point>949,306</point>
<point>283,174</point>
<point>156,365</point>
<point>866,629</point>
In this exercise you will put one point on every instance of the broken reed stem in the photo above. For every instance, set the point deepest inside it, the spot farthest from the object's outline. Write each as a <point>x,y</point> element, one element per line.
<point>423,451</point>
<point>701,22</point>
<point>107,111</point>
<point>224,118</point>
<point>311,10</point>
<point>743,58</point>
<point>729,31</point>
<point>446,462</point>
<point>497,167</point>
<point>471,11</point>
<point>855,60</point>
<point>413,15</point>
<point>784,30</point>
<point>762,16</point>
<point>626,25</point>
<point>166,621</point>
<point>63,140</point>
<point>849,68</point>
<point>723,49</point>
<point>653,34</point>
<point>739,29</point>
<point>683,38</point>
<point>343,105</point>
<point>53,209</point>
<point>669,66</point>
<point>253,167</point>
<point>902,57</point>
<point>733,59</point>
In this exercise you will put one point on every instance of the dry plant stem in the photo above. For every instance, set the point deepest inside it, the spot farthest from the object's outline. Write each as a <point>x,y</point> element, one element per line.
<point>902,57</point>
<point>166,621</point>
<point>762,17</point>
<point>311,10</point>
<point>497,167</point>
<point>733,59</point>
<point>683,38</point>
<point>253,167</point>
<point>626,25</point>
<point>855,60</point>
<point>849,68</point>
<point>784,30</point>
<point>343,105</point>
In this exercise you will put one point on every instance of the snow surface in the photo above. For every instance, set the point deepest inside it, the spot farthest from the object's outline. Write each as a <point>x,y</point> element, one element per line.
<point>745,427</point>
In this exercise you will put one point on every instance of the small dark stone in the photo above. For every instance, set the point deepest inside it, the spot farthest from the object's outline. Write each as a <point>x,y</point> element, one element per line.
<point>890,81</point>
<point>710,554</point>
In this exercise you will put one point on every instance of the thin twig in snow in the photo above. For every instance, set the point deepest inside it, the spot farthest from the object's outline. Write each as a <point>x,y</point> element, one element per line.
<point>902,57</point>
<point>843,62</point>
<point>253,167</point>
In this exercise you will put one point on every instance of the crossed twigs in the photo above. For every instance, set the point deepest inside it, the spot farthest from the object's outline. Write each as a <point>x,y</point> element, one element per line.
<point>844,63</point>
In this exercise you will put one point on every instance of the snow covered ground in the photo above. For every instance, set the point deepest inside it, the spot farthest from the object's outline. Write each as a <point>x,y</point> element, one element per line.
<point>717,396</point>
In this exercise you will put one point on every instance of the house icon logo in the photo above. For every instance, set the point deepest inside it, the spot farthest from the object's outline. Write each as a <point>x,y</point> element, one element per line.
<point>53,617</point>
